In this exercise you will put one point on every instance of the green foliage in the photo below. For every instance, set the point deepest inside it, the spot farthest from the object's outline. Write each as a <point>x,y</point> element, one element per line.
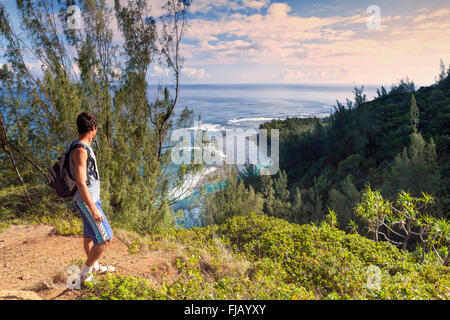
<point>332,263</point>
<point>414,114</point>
<point>282,202</point>
<point>231,200</point>
<point>344,199</point>
<point>260,257</point>
<point>118,287</point>
<point>277,197</point>
<point>38,113</point>
<point>405,219</point>
<point>69,226</point>
<point>373,209</point>
<point>206,269</point>
<point>381,142</point>
<point>331,218</point>
<point>415,169</point>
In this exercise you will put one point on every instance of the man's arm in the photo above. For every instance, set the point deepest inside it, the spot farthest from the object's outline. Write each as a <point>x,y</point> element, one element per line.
<point>80,157</point>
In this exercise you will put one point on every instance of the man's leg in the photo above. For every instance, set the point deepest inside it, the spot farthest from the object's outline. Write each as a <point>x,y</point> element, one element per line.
<point>101,234</point>
<point>95,253</point>
<point>87,244</point>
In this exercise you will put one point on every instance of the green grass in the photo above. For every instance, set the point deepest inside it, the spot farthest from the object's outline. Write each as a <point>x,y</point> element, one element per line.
<point>64,226</point>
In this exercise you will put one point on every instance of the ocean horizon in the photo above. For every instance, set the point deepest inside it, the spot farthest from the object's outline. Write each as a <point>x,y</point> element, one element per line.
<point>239,106</point>
<point>224,106</point>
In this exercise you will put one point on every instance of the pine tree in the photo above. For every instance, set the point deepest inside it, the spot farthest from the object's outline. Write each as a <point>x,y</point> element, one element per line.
<point>443,74</point>
<point>85,70</point>
<point>414,170</point>
<point>414,114</point>
<point>233,199</point>
<point>343,200</point>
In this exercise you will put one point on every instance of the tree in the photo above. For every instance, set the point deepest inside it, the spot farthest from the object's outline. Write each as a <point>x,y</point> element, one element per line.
<point>443,74</point>
<point>360,98</point>
<point>85,70</point>
<point>405,221</point>
<point>414,169</point>
<point>343,200</point>
<point>414,114</point>
<point>233,199</point>
<point>382,93</point>
<point>277,197</point>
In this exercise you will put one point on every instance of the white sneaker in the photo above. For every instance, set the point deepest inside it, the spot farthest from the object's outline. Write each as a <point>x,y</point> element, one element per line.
<point>99,269</point>
<point>86,278</point>
<point>86,273</point>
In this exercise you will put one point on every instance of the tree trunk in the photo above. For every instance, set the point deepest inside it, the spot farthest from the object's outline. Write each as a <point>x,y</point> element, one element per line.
<point>13,161</point>
<point>447,258</point>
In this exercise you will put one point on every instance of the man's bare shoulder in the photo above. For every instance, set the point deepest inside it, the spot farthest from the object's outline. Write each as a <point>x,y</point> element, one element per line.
<point>79,155</point>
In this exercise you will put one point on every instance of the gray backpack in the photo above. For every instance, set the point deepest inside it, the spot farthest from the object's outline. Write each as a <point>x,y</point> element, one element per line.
<point>61,179</point>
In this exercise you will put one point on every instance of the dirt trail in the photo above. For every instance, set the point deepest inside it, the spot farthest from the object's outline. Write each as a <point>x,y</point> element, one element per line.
<point>34,258</point>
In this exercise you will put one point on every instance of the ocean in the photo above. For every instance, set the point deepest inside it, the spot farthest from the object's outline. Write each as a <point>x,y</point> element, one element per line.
<point>249,105</point>
<point>246,106</point>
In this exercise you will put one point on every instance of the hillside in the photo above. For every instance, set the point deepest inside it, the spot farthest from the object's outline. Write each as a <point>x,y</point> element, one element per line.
<point>249,257</point>
<point>34,258</point>
<point>399,140</point>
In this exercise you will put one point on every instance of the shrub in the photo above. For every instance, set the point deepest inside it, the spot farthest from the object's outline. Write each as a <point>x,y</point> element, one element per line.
<point>328,261</point>
<point>260,257</point>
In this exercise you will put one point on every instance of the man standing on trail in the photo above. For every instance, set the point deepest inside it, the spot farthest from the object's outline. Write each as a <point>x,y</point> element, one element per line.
<point>83,166</point>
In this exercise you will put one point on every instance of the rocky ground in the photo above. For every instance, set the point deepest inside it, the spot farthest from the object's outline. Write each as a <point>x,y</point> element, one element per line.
<point>34,262</point>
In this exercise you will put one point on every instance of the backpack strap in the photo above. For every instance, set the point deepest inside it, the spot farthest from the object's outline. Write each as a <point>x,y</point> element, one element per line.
<point>90,160</point>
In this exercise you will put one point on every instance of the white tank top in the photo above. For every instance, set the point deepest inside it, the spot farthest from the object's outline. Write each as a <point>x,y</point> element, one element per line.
<point>94,187</point>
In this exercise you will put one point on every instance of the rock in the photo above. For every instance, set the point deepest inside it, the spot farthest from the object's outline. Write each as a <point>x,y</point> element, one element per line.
<point>24,277</point>
<point>18,295</point>
<point>47,284</point>
<point>60,277</point>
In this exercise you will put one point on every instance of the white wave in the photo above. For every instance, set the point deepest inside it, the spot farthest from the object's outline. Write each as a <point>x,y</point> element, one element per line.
<point>208,127</point>
<point>190,183</point>
<point>234,121</point>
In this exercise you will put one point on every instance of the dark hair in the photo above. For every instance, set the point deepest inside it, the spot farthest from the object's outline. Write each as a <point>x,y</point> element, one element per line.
<point>85,122</point>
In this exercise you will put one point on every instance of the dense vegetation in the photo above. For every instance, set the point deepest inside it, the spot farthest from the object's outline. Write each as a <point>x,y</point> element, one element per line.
<point>87,69</point>
<point>378,168</point>
<point>260,257</point>
<point>398,141</point>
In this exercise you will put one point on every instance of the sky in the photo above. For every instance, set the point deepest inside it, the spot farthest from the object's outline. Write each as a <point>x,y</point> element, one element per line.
<point>311,42</point>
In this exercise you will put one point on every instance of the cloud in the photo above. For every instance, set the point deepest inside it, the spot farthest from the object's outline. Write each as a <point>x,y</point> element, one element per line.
<point>437,14</point>
<point>160,72</point>
<point>325,44</point>
<point>311,75</point>
<point>205,6</point>
<point>279,10</point>
<point>196,74</point>
<point>255,4</point>
<point>273,36</point>
<point>243,76</point>
<point>422,10</point>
